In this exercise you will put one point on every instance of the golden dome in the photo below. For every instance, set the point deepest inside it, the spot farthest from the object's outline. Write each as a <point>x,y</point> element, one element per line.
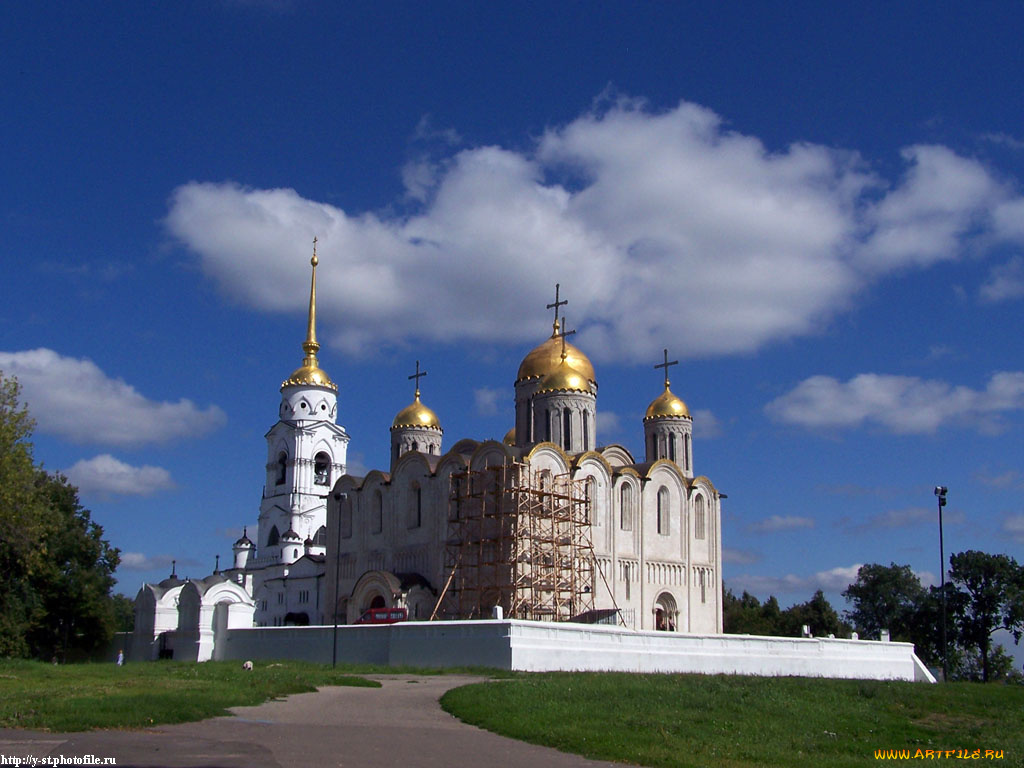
<point>310,374</point>
<point>564,378</point>
<point>416,415</point>
<point>545,359</point>
<point>667,405</point>
<point>510,437</point>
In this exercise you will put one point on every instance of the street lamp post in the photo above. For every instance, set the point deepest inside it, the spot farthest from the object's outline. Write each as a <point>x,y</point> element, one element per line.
<point>940,493</point>
<point>340,498</point>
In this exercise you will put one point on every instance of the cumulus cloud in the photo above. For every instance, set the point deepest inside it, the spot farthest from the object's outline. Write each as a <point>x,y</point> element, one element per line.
<point>832,580</point>
<point>608,422</point>
<point>137,561</point>
<point>740,556</point>
<point>781,523</point>
<point>906,517</point>
<point>1011,478</point>
<point>900,404</point>
<point>706,425</point>
<point>669,227</point>
<point>1013,526</point>
<point>106,476</point>
<point>1005,281</point>
<point>75,399</point>
<point>485,400</point>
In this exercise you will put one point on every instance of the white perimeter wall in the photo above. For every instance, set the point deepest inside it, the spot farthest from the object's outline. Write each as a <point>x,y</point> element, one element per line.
<point>542,646</point>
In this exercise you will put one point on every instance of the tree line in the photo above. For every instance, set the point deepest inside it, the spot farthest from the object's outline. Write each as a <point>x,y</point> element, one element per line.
<point>984,594</point>
<point>56,569</point>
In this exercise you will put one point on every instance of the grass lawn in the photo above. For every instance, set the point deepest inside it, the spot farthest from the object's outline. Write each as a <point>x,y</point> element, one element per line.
<point>734,722</point>
<point>79,697</point>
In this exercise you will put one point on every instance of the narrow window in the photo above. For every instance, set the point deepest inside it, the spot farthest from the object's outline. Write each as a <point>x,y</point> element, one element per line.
<point>547,425</point>
<point>320,537</point>
<point>415,516</point>
<point>698,517</point>
<point>586,431</point>
<point>686,452</point>
<point>626,508</point>
<point>273,537</point>
<point>346,518</point>
<point>671,447</point>
<point>567,429</point>
<point>663,518</point>
<point>378,513</point>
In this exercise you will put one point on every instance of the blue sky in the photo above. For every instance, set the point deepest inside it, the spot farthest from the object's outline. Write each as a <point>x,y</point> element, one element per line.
<point>817,209</point>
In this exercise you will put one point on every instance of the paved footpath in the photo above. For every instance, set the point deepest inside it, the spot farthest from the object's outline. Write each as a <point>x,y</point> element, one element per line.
<point>400,724</point>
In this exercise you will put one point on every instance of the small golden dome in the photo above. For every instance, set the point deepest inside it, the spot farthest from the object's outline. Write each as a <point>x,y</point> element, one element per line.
<point>510,437</point>
<point>667,405</point>
<point>416,415</point>
<point>564,378</point>
<point>545,359</point>
<point>310,375</point>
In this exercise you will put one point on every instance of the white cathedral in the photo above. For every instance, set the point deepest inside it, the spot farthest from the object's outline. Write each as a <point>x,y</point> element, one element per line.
<point>544,524</point>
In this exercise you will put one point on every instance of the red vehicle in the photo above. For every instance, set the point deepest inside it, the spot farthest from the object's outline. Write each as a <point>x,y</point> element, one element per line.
<point>384,616</point>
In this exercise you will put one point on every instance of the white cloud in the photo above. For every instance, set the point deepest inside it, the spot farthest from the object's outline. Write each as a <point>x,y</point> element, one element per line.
<point>74,399</point>
<point>1005,281</point>
<point>1011,478</point>
<point>608,423</point>
<point>706,425</point>
<point>105,475</point>
<point>1014,527</point>
<point>639,211</point>
<point>925,219</point>
<point>781,523</point>
<point>901,404</point>
<point>832,580</point>
<point>907,517</point>
<point>739,556</point>
<point>485,400</point>
<point>137,561</point>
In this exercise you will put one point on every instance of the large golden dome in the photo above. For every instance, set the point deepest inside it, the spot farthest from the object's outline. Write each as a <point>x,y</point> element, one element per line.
<point>544,359</point>
<point>510,437</point>
<point>667,405</point>
<point>416,415</point>
<point>564,378</point>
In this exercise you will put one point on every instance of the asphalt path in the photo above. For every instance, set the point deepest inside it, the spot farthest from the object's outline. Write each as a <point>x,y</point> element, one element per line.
<point>399,724</point>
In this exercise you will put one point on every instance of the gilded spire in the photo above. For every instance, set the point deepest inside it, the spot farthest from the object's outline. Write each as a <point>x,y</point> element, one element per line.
<point>667,405</point>
<point>310,372</point>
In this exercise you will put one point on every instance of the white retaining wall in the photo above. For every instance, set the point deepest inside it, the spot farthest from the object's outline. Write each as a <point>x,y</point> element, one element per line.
<point>542,646</point>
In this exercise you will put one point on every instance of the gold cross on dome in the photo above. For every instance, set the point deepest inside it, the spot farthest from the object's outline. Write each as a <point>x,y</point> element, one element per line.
<point>418,375</point>
<point>563,333</point>
<point>557,303</point>
<point>666,365</point>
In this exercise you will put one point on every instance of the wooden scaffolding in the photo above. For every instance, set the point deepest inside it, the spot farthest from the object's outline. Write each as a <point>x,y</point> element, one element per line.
<point>519,539</point>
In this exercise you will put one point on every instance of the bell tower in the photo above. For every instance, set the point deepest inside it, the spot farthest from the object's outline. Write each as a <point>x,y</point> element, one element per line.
<point>306,453</point>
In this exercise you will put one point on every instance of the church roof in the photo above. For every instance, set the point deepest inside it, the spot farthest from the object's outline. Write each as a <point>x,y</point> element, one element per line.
<point>667,405</point>
<point>416,414</point>
<point>565,378</point>
<point>545,358</point>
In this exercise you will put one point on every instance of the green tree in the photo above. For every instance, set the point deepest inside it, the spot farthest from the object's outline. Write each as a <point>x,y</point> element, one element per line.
<point>124,613</point>
<point>818,614</point>
<point>56,569</point>
<point>746,615</point>
<point>885,597</point>
<point>72,587</point>
<point>989,595</point>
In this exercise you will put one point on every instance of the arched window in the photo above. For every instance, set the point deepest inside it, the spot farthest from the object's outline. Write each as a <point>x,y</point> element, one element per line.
<point>547,425</point>
<point>567,429</point>
<point>663,513</point>
<point>591,491</point>
<point>282,468</point>
<point>322,469</point>
<point>273,537</point>
<point>320,537</point>
<point>415,446</point>
<point>686,452</point>
<point>586,431</point>
<point>377,519</point>
<point>698,517</point>
<point>671,447</point>
<point>626,508</point>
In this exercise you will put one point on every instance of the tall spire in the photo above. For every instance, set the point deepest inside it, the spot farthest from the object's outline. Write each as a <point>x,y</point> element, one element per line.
<point>310,372</point>
<point>310,345</point>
